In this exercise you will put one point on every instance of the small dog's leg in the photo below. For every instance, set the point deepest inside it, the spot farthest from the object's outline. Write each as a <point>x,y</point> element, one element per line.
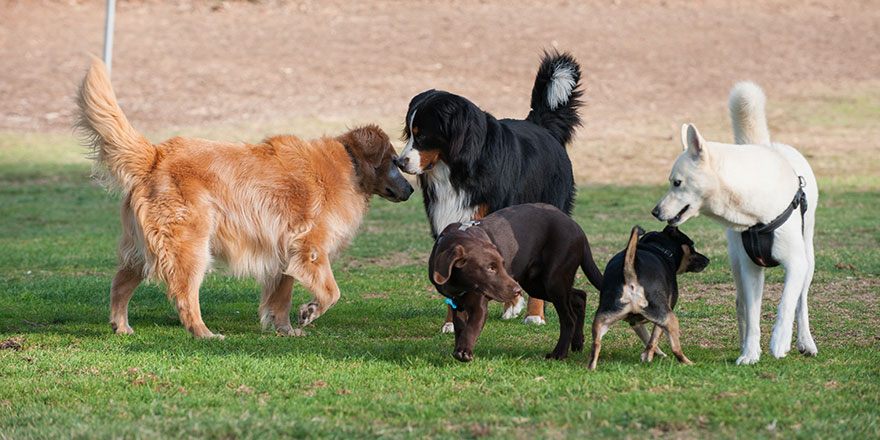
<point>514,307</point>
<point>275,303</point>
<point>448,326</point>
<point>535,312</point>
<point>749,279</point>
<point>651,345</point>
<point>674,333</point>
<point>601,324</point>
<point>578,307</point>
<point>642,331</point>
<point>126,280</point>
<point>805,343</point>
<point>795,275</point>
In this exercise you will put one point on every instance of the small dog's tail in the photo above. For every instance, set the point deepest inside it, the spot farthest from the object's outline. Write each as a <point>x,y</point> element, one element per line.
<point>555,96</point>
<point>588,265</point>
<point>114,143</point>
<point>633,292</point>
<point>747,102</point>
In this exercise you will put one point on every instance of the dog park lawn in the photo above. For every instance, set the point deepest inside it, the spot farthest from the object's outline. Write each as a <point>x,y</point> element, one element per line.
<point>376,364</point>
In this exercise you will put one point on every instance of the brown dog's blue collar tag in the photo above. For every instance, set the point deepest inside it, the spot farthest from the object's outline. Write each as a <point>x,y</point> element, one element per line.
<point>452,303</point>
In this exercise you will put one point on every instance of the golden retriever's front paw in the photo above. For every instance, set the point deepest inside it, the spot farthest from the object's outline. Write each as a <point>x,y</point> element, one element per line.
<point>308,313</point>
<point>122,329</point>
<point>288,331</point>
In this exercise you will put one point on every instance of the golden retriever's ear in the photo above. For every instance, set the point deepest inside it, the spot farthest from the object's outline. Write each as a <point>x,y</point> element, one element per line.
<point>445,261</point>
<point>369,143</point>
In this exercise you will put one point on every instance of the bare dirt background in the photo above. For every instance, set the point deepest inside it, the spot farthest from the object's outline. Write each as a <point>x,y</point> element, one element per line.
<point>242,69</point>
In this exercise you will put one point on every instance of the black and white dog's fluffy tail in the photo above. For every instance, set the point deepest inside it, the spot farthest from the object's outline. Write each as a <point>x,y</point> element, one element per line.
<point>555,96</point>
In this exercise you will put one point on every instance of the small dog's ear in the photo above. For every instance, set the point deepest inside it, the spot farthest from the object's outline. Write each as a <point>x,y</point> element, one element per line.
<point>691,141</point>
<point>445,261</point>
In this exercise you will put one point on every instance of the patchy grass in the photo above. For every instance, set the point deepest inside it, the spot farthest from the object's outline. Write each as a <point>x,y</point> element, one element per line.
<point>376,365</point>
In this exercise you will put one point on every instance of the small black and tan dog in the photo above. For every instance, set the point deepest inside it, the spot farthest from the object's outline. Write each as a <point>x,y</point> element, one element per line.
<point>640,285</point>
<point>532,247</point>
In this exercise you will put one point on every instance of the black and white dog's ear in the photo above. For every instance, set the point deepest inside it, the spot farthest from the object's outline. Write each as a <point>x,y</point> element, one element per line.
<point>414,105</point>
<point>445,261</point>
<point>692,142</point>
<point>466,131</point>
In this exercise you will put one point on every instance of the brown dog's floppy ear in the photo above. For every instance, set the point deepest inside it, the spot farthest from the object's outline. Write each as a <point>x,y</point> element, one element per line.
<point>445,261</point>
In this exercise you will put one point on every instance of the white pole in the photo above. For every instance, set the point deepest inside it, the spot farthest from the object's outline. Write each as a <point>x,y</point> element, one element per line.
<point>108,34</point>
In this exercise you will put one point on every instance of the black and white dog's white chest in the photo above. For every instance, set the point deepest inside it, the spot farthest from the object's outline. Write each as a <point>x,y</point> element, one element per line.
<point>445,203</point>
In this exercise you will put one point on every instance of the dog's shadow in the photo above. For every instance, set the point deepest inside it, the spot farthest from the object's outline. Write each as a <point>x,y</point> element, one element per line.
<point>398,336</point>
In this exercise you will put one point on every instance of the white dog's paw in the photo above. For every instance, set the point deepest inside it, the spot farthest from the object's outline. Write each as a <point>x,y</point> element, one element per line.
<point>748,358</point>
<point>537,320</point>
<point>447,328</point>
<point>513,311</point>
<point>807,347</point>
<point>778,348</point>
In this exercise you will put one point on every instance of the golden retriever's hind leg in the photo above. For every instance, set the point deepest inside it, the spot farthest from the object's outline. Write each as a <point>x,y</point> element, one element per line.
<point>189,261</point>
<point>275,306</point>
<point>126,280</point>
<point>315,274</point>
<point>184,293</point>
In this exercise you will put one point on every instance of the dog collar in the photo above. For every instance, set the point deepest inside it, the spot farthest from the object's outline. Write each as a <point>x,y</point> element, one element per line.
<point>657,249</point>
<point>467,225</point>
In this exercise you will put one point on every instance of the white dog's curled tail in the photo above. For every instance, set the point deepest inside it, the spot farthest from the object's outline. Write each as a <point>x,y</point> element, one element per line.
<point>747,102</point>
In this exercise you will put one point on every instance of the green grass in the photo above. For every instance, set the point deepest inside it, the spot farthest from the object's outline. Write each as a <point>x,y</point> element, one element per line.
<point>376,365</point>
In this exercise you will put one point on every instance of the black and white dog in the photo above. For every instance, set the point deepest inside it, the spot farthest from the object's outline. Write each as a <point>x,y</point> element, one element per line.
<point>470,164</point>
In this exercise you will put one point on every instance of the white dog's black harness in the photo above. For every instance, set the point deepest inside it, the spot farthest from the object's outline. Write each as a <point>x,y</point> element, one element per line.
<point>758,240</point>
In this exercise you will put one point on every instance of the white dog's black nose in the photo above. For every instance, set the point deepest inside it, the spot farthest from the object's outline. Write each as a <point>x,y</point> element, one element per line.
<point>656,212</point>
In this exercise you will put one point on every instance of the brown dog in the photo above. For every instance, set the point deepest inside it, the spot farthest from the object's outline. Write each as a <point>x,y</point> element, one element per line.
<point>534,245</point>
<point>278,211</point>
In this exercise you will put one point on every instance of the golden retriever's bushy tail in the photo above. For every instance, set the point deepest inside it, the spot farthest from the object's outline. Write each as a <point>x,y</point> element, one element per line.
<point>747,102</point>
<point>115,144</point>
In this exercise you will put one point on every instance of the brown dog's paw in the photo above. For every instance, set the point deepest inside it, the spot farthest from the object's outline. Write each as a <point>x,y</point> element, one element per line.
<point>555,355</point>
<point>308,313</point>
<point>463,355</point>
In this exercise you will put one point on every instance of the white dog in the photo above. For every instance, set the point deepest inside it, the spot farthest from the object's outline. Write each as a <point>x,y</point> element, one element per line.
<point>754,182</point>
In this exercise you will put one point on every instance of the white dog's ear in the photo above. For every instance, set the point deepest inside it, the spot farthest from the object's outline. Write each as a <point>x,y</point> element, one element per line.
<point>691,141</point>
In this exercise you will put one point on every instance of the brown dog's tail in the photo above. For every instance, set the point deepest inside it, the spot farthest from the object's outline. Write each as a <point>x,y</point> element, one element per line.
<point>589,267</point>
<point>115,144</point>
<point>633,293</point>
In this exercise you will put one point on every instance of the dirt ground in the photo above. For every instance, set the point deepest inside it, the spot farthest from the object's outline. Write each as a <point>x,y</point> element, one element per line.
<point>647,66</point>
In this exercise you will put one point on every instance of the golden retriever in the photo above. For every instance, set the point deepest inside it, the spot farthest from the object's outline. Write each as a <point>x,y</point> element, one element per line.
<point>278,211</point>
